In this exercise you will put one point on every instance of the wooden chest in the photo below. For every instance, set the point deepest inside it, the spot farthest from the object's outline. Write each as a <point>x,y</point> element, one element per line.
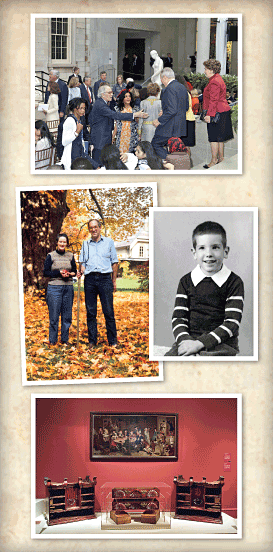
<point>120,517</point>
<point>135,498</point>
<point>150,516</point>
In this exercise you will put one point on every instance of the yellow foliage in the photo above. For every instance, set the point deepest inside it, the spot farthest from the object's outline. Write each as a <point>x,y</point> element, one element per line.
<point>130,359</point>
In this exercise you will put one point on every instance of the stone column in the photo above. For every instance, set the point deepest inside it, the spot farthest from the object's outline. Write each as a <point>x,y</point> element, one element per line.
<point>203,43</point>
<point>234,59</point>
<point>221,43</point>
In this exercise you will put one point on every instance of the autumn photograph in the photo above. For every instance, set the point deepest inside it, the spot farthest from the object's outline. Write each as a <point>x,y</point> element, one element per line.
<point>84,271</point>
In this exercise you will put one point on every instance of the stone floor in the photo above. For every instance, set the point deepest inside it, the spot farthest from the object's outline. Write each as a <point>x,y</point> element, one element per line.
<point>201,152</point>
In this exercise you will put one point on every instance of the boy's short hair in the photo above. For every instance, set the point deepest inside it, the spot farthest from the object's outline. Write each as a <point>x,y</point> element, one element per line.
<point>209,227</point>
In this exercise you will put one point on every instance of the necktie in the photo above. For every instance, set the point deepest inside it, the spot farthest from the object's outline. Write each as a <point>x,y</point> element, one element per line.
<point>89,95</point>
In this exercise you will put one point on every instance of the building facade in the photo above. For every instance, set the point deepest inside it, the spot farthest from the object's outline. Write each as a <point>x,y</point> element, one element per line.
<point>96,44</point>
<point>135,248</point>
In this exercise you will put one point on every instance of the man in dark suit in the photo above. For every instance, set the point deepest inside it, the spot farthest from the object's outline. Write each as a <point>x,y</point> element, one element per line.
<point>136,66</point>
<point>75,74</point>
<point>169,61</point>
<point>62,96</point>
<point>126,66</point>
<point>175,104</point>
<point>87,94</point>
<point>103,76</point>
<point>102,119</point>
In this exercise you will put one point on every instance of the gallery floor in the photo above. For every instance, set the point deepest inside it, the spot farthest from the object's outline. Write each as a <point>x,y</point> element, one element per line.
<point>93,526</point>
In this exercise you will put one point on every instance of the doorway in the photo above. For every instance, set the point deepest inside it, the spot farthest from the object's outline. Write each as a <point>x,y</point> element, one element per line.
<point>136,46</point>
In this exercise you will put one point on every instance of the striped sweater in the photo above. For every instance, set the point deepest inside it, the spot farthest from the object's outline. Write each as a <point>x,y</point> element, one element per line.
<point>209,308</point>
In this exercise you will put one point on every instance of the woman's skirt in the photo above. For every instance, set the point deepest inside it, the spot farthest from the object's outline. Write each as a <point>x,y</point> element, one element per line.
<point>189,140</point>
<point>221,131</point>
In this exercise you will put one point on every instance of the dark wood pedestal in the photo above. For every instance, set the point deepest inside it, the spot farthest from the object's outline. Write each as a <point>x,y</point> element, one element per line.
<point>199,500</point>
<point>69,502</point>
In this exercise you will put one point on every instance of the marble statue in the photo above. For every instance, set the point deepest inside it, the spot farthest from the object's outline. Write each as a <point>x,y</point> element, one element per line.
<point>157,67</point>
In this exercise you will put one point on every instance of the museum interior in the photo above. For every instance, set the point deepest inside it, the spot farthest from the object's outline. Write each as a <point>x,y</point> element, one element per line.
<point>201,461</point>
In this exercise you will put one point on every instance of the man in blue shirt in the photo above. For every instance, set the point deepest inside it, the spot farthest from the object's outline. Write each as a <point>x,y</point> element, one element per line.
<point>99,264</point>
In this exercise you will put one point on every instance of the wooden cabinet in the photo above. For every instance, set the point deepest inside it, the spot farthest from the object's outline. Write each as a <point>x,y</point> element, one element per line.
<point>135,499</point>
<point>199,500</point>
<point>69,502</point>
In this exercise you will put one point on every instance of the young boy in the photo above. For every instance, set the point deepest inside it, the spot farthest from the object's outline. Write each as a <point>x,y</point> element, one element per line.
<point>209,301</point>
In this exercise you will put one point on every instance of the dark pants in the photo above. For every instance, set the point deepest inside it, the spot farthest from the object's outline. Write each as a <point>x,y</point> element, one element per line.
<point>219,350</point>
<point>96,284</point>
<point>59,301</point>
<point>158,142</point>
<point>96,155</point>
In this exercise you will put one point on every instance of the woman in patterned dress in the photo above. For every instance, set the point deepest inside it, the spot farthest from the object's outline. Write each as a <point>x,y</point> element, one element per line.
<point>125,132</point>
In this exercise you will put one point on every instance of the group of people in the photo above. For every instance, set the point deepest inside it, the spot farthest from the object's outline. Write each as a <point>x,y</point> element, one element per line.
<point>114,439</point>
<point>99,263</point>
<point>131,127</point>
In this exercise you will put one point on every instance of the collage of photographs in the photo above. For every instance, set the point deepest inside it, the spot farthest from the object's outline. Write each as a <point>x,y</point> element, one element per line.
<point>138,403</point>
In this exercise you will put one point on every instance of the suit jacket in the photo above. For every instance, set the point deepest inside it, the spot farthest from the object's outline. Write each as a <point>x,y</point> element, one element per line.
<point>126,65</point>
<point>102,119</point>
<point>169,62</point>
<point>175,104</point>
<point>96,87</point>
<point>84,96</point>
<point>136,66</point>
<point>70,77</point>
<point>214,96</point>
<point>62,97</point>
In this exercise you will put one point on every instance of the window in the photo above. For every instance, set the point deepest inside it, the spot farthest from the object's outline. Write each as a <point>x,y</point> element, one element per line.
<point>141,250</point>
<point>59,39</point>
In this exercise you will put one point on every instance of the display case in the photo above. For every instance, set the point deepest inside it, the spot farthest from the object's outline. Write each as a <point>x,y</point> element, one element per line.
<point>199,500</point>
<point>148,506</point>
<point>67,502</point>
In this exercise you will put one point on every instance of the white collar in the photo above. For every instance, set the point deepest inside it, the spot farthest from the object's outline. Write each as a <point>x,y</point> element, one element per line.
<point>169,82</point>
<point>219,278</point>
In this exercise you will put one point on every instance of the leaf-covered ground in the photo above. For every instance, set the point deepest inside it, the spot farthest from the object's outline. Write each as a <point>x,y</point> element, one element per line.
<point>61,362</point>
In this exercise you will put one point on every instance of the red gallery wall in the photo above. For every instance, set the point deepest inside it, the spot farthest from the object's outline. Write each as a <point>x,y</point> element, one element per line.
<point>207,429</point>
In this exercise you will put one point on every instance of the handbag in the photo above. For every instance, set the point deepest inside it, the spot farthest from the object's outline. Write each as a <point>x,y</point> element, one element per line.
<point>214,119</point>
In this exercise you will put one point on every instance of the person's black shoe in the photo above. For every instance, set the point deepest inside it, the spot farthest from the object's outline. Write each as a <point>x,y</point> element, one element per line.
<point>206,167</point>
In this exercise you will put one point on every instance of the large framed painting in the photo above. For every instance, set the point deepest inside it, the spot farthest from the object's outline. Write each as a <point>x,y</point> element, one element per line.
<point>145,436</point>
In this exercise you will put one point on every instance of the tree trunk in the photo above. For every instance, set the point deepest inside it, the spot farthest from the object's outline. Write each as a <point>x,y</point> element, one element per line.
<point>42,216</point>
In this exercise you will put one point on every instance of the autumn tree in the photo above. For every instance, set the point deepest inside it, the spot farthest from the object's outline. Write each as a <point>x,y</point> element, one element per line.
<point>121,210</point>
<point>45,213</point>
<point>42,215</point>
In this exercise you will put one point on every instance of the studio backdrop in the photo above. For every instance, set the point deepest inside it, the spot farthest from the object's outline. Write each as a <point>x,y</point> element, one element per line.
<point>173,259</point>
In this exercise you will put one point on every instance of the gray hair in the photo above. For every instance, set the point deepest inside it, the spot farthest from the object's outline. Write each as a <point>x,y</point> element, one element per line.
<point>86,77</point>
<point>167,72</point>
<point>98,221</point>
<point>102,90</point>
<point>55,72</point>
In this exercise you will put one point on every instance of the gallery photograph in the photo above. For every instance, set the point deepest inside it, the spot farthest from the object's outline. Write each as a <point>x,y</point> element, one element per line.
<point>132,465</point>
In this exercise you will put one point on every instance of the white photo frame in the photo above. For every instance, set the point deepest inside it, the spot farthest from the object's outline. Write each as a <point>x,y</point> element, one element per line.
<point>170,229</point>
<point>43,381</point>
<point>105,17</point>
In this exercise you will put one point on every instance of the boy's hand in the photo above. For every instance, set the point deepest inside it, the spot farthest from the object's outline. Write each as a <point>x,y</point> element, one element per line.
<point>189,347</point>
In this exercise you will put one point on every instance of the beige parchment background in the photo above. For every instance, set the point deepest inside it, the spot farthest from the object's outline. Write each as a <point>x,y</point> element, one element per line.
<point>253,188</point>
